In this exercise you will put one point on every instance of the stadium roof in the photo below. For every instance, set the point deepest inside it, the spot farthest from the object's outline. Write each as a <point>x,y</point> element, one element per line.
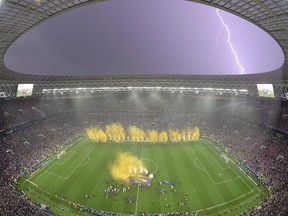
<point>18,16</point>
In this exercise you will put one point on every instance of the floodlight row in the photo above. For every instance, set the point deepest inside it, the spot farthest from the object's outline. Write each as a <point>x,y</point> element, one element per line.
<point>144,88</point>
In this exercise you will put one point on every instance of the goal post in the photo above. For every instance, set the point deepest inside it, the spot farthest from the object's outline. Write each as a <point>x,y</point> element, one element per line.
<point>225,157</point>
<point>59,155</point>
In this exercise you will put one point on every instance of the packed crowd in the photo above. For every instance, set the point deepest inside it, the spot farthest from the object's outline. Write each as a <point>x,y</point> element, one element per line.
<point>20,151</point>
<point>19,111</point>
<point>272,113</point>
<point>262,149</point>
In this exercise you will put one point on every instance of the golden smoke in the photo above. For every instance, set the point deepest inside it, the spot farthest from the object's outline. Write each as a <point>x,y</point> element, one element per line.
<point>184,135</point>
<point>136,134</point>
<point>163,137</point>
<point>174,135</point>
<point>189,134</point>
<point>96,134</point>
<point>196,134</point>
<point>126,165</point>
<point>153,136</point>
<point>115,132</point>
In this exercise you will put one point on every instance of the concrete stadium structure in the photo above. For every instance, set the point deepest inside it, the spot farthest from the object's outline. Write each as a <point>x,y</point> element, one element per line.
<point>18,17</point>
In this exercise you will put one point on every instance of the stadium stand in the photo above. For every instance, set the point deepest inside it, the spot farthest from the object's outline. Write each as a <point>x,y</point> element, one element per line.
<point>254,143</point>
<point>253,129</point>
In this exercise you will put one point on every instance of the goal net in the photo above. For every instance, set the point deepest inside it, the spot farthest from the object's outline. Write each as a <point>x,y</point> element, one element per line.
<point>59,155</point>
<point>225,157</point>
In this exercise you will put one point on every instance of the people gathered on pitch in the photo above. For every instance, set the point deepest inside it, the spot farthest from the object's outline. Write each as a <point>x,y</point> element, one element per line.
<point>31,129</point>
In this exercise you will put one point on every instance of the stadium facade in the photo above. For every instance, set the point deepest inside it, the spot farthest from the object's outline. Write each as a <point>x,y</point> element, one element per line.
<point>18,17</point>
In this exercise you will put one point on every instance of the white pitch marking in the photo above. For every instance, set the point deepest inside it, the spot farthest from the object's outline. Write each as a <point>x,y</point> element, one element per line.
<point>152,162</point>
<point>219,163</point>
<point>85,162</point>
<point>212,207</point>
<point>203,167</point>
<point>228,180</point>
<point>53,196</point>
<point>80,162</point>
<point>55,175</point>
<point>39,176</point>
<point>209,144</point>
<point>66,159</point>
<point>197,165</point>
<point>69,148</point>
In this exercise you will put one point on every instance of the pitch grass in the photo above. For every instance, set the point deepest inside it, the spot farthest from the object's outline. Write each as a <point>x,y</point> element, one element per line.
<point>200,176</point>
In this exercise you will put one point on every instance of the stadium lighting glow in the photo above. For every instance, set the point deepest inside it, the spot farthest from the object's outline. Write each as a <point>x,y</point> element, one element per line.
<point>143,88</point>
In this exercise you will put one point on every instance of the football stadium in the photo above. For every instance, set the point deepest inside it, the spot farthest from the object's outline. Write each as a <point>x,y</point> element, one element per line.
<point>149,132</point>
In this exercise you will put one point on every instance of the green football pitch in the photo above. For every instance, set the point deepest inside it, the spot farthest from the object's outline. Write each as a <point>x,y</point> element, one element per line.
<point>203,181</point>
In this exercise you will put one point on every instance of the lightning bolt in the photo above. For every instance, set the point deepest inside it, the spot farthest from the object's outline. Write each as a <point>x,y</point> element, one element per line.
<point>229,42</point>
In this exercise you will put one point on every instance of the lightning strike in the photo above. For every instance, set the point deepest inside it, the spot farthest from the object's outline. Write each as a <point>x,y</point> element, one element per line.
<point>228,41</point>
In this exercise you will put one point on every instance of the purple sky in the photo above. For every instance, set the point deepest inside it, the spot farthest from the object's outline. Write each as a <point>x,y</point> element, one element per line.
<point>143,37</point>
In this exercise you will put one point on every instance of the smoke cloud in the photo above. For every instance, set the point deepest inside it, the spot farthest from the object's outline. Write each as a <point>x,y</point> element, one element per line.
<point>116,133</point>
<point>126,165</point>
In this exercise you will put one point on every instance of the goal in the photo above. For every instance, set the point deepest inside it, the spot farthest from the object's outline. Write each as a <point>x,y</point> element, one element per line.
<point>59,155</point>
<point>225,157</point>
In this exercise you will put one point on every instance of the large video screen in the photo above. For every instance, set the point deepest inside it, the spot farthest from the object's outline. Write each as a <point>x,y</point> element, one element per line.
<point>265,90</point>
<point>24,90</point>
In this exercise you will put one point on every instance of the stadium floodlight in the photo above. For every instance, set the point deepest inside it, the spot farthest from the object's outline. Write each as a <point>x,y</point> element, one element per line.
<point>180,89</point>
<point>2,94</point>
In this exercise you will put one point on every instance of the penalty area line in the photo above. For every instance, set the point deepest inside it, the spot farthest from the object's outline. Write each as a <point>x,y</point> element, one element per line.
<point>212,155</point>
<point>88,157</point>
<point>232,179</point>
<point>204,169</point>
<point>66,159</point>
<point>211,146</point>
<point>198,166</point>
<point>54,161</point>
<point>56,175</point>
<point>79,164</point>
<point>54,195</point>
<point>221,204</point>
